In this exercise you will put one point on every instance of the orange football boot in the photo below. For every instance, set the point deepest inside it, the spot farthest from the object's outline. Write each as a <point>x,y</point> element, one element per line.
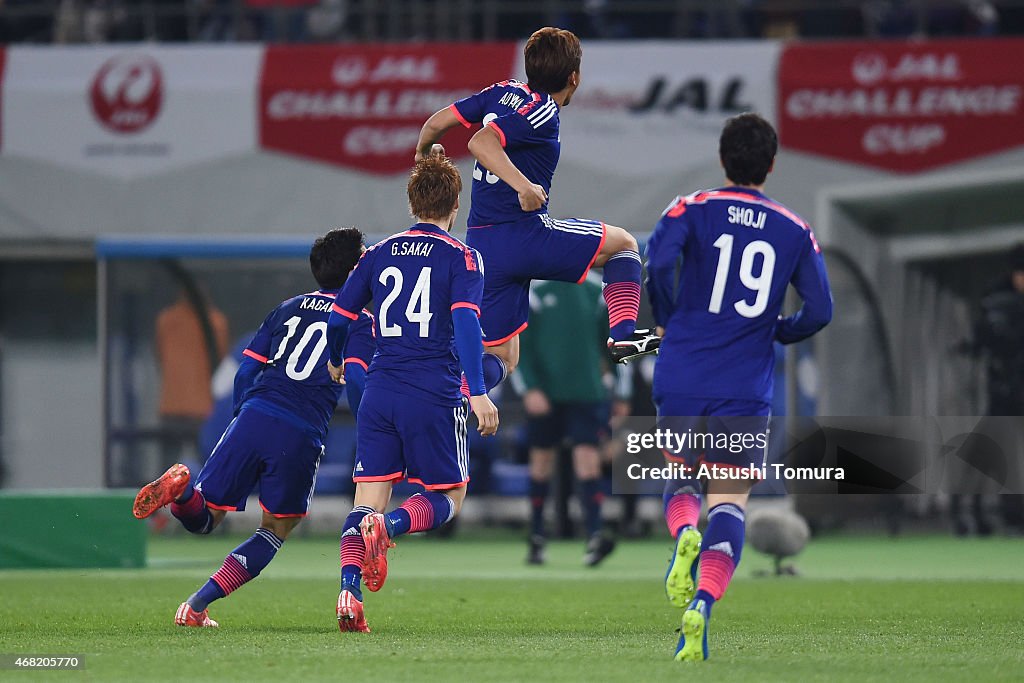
<point>377,542</point>
<point>350,613</point>
<point>186,616</point>
<point>161,491</point>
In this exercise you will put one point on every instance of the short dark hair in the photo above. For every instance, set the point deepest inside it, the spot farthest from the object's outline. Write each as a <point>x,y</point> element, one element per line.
<point>551,56</point>
<point>334,255</point>
<point>434,187</point>
<point>747,149</point>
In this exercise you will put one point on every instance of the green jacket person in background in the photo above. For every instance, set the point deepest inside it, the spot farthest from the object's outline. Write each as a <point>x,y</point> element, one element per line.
<point>561,370</point>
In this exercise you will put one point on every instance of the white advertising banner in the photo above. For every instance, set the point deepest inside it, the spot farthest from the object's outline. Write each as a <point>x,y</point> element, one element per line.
<point>651,107</point>
<point>130,111</point>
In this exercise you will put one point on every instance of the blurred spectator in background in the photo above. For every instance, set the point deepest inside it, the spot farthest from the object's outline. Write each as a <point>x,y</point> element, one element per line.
<point>216,20</point>
<point>19,24</point>
<point>279,21</point>
<point>564,353</point>
<point>326,21</point>
<point>999,337</point>
<point>191,339</point>
<point>904,18</point>
<point>889,18</point>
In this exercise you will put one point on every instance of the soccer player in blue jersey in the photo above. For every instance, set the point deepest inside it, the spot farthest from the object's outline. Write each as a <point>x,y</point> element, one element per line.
<point>517,150</point>
<point>719,312</point>
<point>284,399</point>
<point>412,419</point>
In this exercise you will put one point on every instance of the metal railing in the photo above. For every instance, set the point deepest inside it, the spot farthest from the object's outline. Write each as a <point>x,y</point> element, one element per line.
<point>76,21</point>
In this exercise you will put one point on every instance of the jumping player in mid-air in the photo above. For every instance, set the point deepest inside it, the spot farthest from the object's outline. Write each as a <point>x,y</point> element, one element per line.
<point>517,150</point>
<point>720,316</point>
<point>284,399</point>
<point>412,419</point>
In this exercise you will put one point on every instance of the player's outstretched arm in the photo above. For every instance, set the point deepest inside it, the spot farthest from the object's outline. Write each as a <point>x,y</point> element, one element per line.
<point>811,283</point>
<point>337,332</point>
<point>469,344</point>
<point>486,146</point>
<point>433,130</point>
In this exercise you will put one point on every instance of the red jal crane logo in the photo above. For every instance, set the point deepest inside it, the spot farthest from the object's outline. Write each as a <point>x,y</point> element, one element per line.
<point>127,93</point>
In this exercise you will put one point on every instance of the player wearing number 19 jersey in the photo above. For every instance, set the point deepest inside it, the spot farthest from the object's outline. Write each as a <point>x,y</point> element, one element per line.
<point>284,399</point>
<point>739,250</point>
<point>412,420</point>
<point>517,150</point>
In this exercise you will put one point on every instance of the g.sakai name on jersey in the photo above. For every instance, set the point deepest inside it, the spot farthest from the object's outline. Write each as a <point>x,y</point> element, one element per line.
<point>411,248</point>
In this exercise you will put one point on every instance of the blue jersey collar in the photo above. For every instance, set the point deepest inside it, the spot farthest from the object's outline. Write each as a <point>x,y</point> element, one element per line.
<point>737,188</point>
<point>429,227</point>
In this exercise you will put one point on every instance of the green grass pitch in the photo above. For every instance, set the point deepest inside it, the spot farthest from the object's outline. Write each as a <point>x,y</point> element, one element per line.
<point>866,609</point>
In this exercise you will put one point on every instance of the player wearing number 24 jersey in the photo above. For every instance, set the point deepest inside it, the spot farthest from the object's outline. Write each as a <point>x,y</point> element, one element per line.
<point>284,398</point>
<point>412,420</point>
<point>739,251</point>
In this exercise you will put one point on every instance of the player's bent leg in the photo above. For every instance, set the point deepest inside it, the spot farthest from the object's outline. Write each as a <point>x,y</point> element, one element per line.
<point>505,353</point>
<point>241,566</point>
<point>421,512</point>
<point>620,258</point>
<point>174,488</point>
<point>616,241</point>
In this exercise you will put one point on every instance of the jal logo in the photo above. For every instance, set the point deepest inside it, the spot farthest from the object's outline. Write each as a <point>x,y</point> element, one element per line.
<point>127,93</point>
<point>350,71</point>
<point>696,94</point>
<point>869,68</point>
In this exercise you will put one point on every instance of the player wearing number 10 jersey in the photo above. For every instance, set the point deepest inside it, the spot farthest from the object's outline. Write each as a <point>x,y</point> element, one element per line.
<point>739,251</point>
<point>284,399</point>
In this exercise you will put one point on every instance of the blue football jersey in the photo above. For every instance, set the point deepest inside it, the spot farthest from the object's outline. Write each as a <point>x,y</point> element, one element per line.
<point>738,250</point>
<point>292,342</point>
<point>527,124</point>
<point>417,278</point>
